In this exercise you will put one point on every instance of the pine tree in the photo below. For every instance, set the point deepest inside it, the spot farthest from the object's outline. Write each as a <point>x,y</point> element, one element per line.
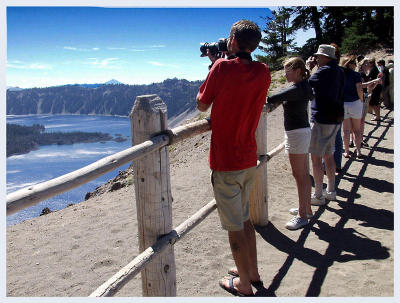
<point>307,17</point>
<point>277,42</point>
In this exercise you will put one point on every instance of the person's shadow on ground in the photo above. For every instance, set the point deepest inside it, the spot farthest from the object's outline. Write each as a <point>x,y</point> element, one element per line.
<point>347,244</point>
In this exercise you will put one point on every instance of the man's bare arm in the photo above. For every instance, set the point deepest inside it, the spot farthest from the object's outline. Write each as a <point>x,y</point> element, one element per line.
<point>201,106</point>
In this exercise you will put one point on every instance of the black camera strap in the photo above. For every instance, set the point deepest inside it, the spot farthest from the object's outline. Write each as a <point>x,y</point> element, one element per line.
<point>244,55</point>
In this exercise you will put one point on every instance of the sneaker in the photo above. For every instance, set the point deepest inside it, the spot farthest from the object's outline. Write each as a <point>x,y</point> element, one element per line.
<point>317,200</point>
<point>295,212</point>
<point>296,223</point>
<point>330,195</point>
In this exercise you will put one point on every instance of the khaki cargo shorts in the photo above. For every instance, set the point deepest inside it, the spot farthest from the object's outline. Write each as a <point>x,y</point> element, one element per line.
<point>232,191</point>
<point>323,138</point>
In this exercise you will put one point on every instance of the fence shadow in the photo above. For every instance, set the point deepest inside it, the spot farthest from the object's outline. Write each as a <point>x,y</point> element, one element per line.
<point>380,186</point>
<point>366,216</point>
<point>345,244</point>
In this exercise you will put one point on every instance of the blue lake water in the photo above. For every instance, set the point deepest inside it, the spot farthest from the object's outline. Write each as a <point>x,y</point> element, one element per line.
<point>52,161</point>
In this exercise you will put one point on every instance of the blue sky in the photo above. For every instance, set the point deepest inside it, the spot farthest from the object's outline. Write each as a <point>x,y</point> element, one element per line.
<point>49,46</point>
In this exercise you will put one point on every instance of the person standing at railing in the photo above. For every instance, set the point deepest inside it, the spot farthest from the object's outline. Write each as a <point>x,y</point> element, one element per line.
<point>353,105</point>
<point>237,89</point>
<point>327,113</point>
<point>391,83</point>
<point>384,75</point>
<point>375,99</point>
<point>295,100</point>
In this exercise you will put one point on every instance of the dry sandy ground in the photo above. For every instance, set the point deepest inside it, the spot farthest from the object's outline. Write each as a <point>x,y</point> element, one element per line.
<point>346,251</point>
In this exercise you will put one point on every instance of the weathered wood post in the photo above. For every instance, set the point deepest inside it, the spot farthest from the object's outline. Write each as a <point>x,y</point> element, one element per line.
<point>153,195</point>
<point>258,202</point>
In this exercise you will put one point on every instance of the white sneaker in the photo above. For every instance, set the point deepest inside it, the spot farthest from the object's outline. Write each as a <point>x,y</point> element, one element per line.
<point>295,212</point>
<point>330,195</point>
<point>317,200</point>
<point>296,223</point>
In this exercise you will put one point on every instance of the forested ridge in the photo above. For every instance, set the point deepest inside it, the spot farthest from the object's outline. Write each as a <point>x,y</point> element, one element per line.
<point>23,139</point>
<point>179,96</point>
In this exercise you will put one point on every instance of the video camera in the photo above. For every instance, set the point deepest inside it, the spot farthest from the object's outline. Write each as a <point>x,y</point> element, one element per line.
<point>214,47</point>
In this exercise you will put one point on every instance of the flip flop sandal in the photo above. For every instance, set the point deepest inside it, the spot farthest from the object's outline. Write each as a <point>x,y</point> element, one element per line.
<point>256,284</point>
<point>231,289</point>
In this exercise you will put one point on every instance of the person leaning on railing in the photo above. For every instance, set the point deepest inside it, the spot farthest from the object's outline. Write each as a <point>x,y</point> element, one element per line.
<point>295,100</point>
<point>237,90</point>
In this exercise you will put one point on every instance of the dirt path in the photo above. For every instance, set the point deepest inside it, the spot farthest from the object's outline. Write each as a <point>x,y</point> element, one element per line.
<point>347,250</point>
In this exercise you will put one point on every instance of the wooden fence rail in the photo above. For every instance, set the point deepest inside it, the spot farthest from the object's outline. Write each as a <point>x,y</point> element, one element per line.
<point>150,137</point>
<point>34,194</point>
<point>110,287</point>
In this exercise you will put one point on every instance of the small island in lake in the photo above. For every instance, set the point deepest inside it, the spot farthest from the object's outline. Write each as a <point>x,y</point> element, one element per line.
<point>23,139</point>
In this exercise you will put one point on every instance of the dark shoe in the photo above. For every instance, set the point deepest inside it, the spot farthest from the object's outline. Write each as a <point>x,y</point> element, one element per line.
<point>231,289</point>
<point>256,284</point>
<point>346,155</point>
<point>351,144</point>
<point>364,144</point>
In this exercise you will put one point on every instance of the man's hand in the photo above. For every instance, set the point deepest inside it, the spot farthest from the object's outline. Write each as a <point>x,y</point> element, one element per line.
<point>311,62</point>
<point>212,57</point>
<point>215,57</point>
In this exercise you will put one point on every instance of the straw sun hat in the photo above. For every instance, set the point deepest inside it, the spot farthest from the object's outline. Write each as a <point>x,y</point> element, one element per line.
<point>346,60</point>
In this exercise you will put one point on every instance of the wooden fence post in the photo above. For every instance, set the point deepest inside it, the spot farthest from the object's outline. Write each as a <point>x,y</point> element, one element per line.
<point>153,196</point>
<point>258,202</point>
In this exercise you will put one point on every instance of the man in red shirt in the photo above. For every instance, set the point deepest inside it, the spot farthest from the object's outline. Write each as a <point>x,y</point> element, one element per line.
<point>237,90</point>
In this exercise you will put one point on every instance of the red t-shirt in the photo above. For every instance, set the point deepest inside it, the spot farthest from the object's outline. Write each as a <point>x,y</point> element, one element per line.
<point>238,92</point>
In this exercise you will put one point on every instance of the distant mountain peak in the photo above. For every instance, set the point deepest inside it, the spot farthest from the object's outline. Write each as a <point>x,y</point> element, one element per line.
<point>113,82</point>
<point>14,88</point>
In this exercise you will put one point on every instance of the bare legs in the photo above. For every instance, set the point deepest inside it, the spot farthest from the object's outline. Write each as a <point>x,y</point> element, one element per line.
<point>244,252</point>
<point>318,172</point>
<point>351,125</point>
<point>362,122</point>
<point>377,111</point>
<point>298,163</point>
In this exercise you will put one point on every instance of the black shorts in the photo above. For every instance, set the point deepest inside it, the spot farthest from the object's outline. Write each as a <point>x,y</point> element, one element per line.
<point>376,96</point>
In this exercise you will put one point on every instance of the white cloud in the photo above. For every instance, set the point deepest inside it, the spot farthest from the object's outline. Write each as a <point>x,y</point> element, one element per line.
<point>104,63</point>
<point>156,63</point>
<point>34,65</point>
<point>158,46</point>
<point>162,64</point>
<point>136,50</point>
<point>81,49</point>
<point>116,48</point>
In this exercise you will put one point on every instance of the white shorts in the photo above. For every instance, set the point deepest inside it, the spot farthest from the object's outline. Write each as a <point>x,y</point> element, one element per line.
<point>353,109</point>
<point>297,141</point>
